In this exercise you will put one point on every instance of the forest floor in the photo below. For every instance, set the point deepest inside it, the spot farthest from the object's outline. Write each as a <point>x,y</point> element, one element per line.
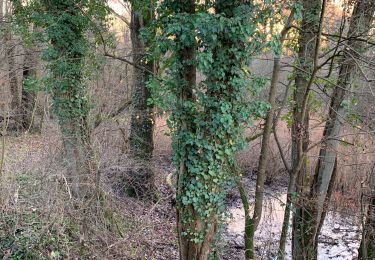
<point>38,221</point>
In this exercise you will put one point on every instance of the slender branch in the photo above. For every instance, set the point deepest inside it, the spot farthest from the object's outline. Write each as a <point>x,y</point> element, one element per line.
<point>113,114</point>
<point>253,137</point>
<point>127,61</point>
<point>275,135</point>
<point>121,17</point>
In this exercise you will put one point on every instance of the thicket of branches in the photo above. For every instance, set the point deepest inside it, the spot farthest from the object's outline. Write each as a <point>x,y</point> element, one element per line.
<point>115,111</point>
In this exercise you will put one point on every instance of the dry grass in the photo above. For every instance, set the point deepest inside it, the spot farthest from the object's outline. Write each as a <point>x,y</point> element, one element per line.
<point>39,219</point>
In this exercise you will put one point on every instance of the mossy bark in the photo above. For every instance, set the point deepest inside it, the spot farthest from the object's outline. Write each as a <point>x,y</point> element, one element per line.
<point>367,248</point>
<point>249,222</point>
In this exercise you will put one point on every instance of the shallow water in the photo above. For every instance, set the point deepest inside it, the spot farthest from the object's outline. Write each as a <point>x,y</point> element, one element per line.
<point>339,238</point>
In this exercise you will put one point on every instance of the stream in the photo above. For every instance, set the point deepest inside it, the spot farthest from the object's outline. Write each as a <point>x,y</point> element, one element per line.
<point>339,238</point>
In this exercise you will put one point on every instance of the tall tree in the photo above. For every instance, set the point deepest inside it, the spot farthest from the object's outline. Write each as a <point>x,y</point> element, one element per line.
<point>307,66</point>
<point>65,23</point>
<point>367,248</point>
<point>66,57</point>
<point>207,118</point>
<point>28,96</point>
<point>10,45</point>
<point>185,55</point>
<point>142,120</point>
<point>359,27</point>
<point>264,152</point>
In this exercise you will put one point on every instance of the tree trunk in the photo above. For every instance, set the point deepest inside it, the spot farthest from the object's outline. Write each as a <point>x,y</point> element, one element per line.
<point>264,153</point>
<point>28,100</point>
<point>77,155</point>
<point>249,222</point>
<point>367,247</point>
<point>69,96</point>
<point>360,24</point>
<point>307,58</point>
<point>290,197</point>
<point>1,21</point>
<point>198,222</point>
<point>10,52</point>
<point>13,80</point>
<point>142,120</point>
<point>189,250</point>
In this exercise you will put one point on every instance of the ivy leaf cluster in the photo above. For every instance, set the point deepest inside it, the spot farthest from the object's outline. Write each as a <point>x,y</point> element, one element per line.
<point>62,30</point>
<point>207,127</point>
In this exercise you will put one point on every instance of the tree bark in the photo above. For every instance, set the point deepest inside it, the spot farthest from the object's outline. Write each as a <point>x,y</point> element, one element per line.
<point>307,59</point>
<point>367,248</point>
<point>1,20</point>
<point>142,120</point>
<point>249,222</point>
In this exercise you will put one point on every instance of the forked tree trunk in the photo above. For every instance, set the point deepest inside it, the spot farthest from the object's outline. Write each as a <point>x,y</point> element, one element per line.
<point>360,24</point>
<point>142,120</point>
<point>264,153</point>
<point>307,58</point>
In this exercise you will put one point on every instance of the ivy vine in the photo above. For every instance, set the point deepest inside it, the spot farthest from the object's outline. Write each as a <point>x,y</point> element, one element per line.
<point>64,25</point>
<point>225,36</point>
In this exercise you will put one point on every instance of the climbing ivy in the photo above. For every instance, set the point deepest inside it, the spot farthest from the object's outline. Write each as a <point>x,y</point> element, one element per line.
<point>207,127</point>
<point>64,24</point>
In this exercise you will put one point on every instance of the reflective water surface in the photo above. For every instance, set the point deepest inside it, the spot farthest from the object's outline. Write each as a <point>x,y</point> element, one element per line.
<point>339,237</point>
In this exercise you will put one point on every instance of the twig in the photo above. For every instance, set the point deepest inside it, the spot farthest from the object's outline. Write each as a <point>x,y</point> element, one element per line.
<point>113,114</point>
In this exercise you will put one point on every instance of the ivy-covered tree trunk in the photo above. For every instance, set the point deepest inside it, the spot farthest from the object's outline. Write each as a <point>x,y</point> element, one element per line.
<point>360,25</point>
<point>66,26</point>
<point>10,52</point>
<point>142,120</point>
<point>307,41</point>
<point>28,96</point>
<point>207,118</point>
<point>189,248</point>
